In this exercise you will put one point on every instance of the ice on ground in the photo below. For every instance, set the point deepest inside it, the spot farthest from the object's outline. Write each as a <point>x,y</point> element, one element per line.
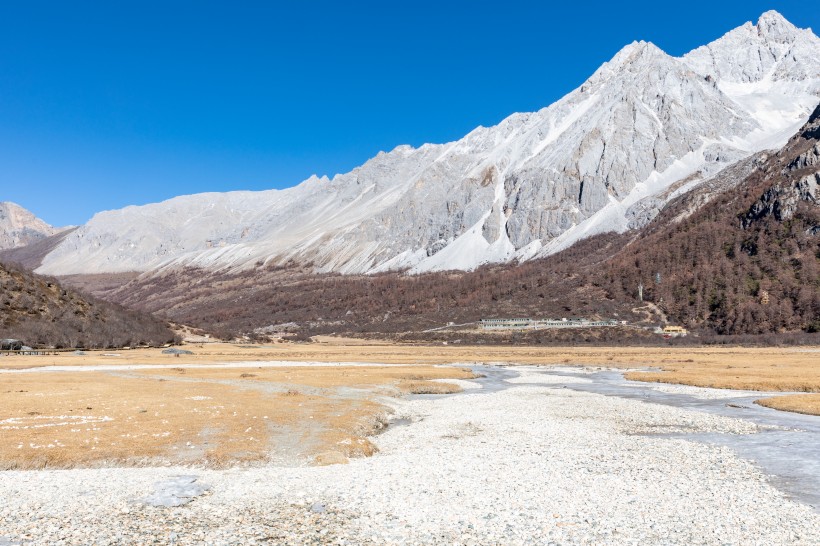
<point>541,377</point>
<point>176,491</point>
<point>44,421</point>
<point>466,385</point>
<point>702,392</point>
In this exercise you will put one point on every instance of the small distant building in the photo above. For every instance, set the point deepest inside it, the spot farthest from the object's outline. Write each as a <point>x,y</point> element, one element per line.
<point>674,331</point>
<point>540,324</point>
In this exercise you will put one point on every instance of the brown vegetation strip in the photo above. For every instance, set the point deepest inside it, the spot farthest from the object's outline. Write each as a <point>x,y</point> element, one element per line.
<point>798,403</point>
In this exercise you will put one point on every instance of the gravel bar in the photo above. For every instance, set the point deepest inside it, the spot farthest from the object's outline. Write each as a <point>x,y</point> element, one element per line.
<point>530,464</point>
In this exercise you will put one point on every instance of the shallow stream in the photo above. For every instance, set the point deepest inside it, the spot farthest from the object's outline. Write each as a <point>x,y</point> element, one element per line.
<point>789,454</point>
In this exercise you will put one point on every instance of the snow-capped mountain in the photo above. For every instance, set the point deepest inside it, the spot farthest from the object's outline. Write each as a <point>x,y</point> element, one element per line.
<point>19,227</point>
<point>644,128</point>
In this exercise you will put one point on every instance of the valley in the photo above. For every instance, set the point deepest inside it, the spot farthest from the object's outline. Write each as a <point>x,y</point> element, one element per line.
<point>594,323</point>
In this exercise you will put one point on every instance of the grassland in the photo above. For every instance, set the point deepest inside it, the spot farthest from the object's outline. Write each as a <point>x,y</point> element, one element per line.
<point>798,403</point>
<point>192,409</point>
<point>211,416</point>
<point>793,362</point>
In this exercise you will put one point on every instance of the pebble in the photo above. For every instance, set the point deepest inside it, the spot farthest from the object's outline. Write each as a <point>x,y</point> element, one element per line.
<point>532,464</point>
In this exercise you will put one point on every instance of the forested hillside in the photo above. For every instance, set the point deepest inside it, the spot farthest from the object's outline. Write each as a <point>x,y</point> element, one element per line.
<point>42,313</point>
<point>746,263</point>
<point>386,303</point>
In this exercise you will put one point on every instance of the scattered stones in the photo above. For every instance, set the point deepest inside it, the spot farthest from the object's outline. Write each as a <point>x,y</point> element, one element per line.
<point>531,464</point>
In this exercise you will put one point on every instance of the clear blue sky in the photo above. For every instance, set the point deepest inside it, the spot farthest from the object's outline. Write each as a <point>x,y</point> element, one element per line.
<point>106,104</point>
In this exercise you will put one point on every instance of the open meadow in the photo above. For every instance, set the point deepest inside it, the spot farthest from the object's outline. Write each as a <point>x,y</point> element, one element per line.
<point>791,369</point>
<point>211,415</point>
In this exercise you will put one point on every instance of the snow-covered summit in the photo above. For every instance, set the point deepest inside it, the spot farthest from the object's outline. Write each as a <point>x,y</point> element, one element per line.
<point>773,50</point>
<point>643,128</point>
<point>774,26</point>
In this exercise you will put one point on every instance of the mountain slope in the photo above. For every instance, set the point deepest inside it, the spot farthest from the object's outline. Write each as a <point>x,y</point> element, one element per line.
<point>19,227</point>
<point>40,312</point>
<point>739,254</point>
<point>748,261</point>
<point>643,129</point>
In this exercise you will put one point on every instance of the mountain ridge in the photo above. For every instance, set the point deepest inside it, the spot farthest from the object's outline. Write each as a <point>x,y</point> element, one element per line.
<point>738,255</point>
<point>602,158</point>
<point>41,312</point>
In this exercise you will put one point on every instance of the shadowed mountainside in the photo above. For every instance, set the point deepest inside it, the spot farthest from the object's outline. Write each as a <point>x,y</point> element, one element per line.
<point>40,312</point>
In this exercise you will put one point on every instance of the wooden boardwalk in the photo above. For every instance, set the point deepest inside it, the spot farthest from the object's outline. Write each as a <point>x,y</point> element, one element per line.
<point>35,352</point>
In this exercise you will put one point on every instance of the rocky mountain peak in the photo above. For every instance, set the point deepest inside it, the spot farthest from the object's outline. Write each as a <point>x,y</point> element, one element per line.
<point>638,54</point>
<point>637,50</point>
<point>19,227</point>
<point>774,26</point>
<point>774,50</point>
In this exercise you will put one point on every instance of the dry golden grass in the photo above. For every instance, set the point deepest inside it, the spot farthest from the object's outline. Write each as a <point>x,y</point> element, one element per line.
<point>427,387</point>
<point>330,349</point>
<point>340,399</point>
<point>744,369</point>
<point>211,416</point>
<point>798,403</point>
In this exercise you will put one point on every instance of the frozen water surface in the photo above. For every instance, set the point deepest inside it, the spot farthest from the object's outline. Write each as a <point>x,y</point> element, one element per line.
<point>175,491</point>
<point>787,447</point>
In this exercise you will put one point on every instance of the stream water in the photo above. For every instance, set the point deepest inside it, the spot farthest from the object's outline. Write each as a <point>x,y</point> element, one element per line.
<point>788,452</point>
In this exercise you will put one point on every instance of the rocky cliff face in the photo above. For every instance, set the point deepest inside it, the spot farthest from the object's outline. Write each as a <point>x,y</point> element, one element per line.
<point>798,184</point>
<point>645,128</point>
<point>19,227</point>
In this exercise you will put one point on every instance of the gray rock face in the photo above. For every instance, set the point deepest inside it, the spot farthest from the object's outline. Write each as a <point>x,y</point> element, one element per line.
<point>642,212</point>
<point>811,158</point>
<point>19,227</point>
<point>782,200</point>
<point>807,188</point>
<point>605,157</point>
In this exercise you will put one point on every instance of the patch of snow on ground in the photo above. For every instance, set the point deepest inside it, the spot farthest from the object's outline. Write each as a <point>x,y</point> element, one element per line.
<point>176,491</point>
<point>466,385</point>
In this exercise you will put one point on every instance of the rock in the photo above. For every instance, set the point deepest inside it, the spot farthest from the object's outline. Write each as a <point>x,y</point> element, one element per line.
<point>330,457</point>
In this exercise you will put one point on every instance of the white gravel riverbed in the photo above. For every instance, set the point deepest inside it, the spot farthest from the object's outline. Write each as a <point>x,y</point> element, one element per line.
<point>526,465</point>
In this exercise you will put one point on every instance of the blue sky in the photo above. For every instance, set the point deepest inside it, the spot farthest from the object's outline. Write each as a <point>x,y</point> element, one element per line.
<point>107,104</point>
